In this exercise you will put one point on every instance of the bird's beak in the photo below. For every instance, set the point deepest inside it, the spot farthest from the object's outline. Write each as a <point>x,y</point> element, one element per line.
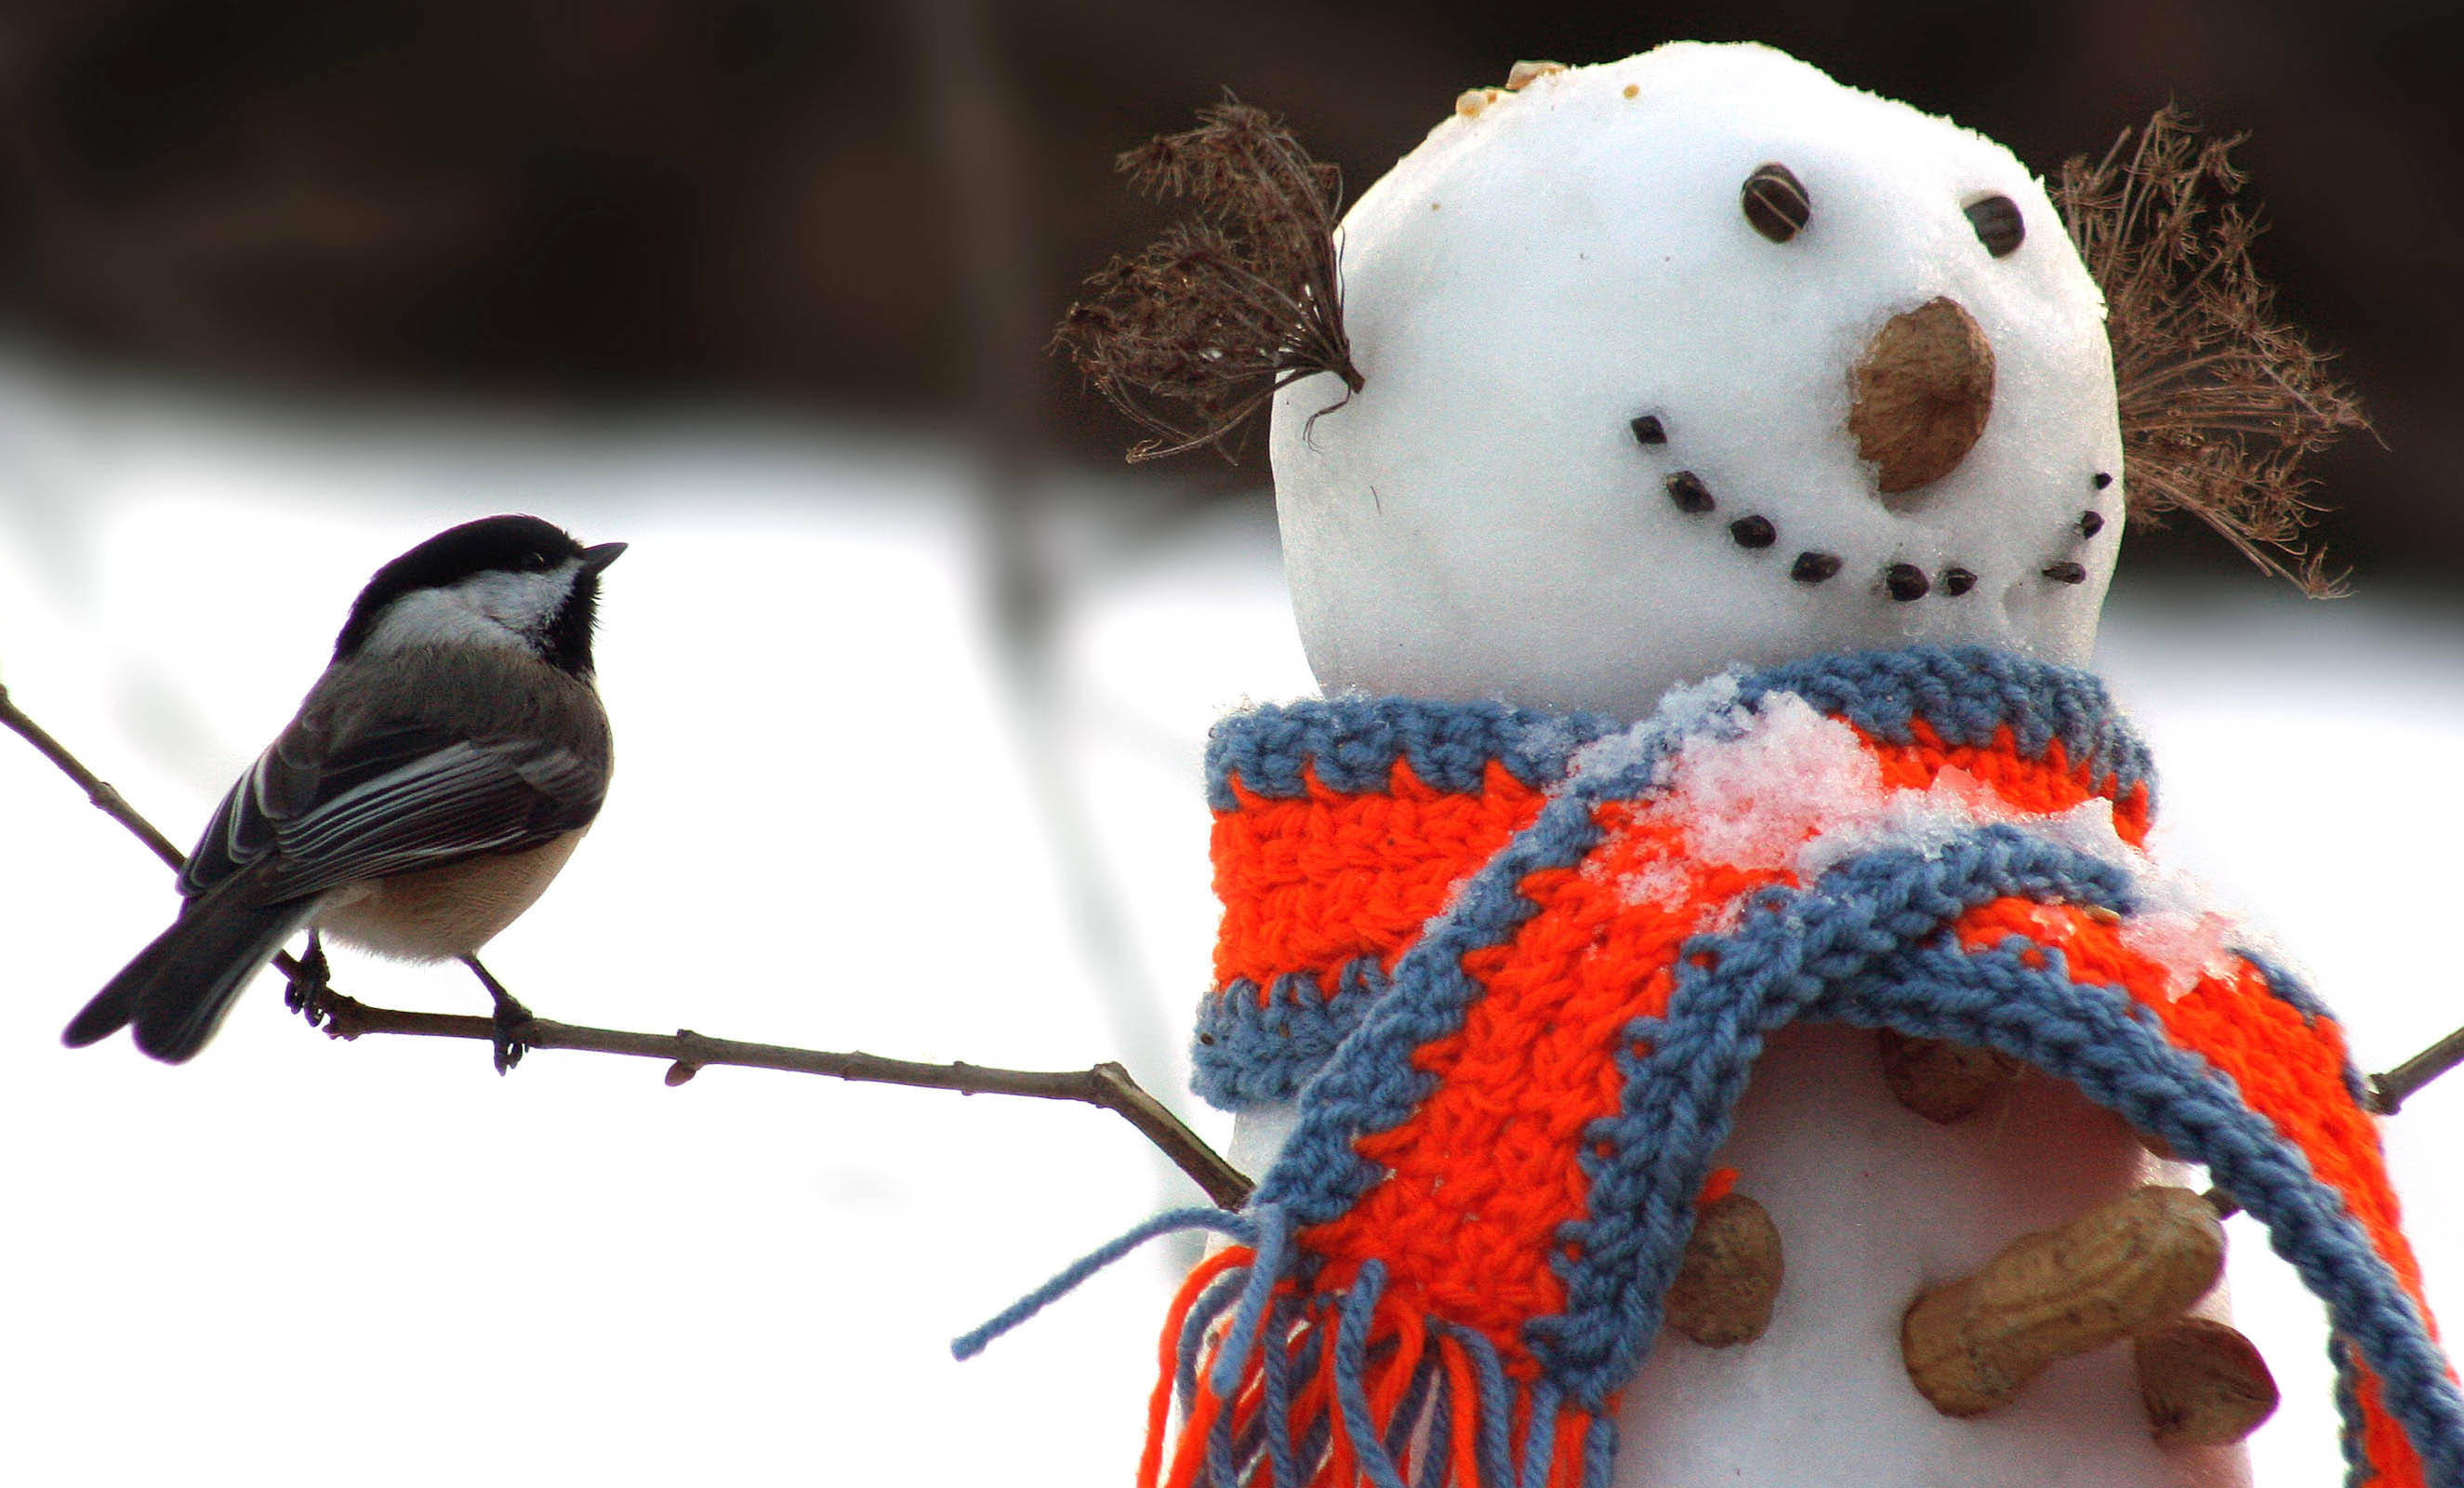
<point>594,559</point>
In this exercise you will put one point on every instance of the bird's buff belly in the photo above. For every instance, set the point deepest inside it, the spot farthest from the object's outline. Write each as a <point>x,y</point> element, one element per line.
<point>439,914</point>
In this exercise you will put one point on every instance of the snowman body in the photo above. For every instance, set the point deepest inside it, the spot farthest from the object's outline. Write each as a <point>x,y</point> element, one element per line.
<point>1613,437</point>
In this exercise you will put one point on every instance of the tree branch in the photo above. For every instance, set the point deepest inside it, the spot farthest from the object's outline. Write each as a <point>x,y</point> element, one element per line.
<point>2389,1092</point>
<point>105,795</point>
<point>1106,1085</point>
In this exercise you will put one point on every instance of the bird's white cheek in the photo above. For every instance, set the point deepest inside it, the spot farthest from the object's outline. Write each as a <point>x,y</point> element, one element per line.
<point>505,609</point>
<point>437,617</point>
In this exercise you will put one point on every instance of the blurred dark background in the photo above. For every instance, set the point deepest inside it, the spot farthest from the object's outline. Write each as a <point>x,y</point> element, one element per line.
<point>884,206</point>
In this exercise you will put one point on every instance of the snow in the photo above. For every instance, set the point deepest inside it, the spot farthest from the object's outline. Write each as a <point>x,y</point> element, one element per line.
<point>1778,785</point>
<point>1479,521</point>
<point>1754,797</point>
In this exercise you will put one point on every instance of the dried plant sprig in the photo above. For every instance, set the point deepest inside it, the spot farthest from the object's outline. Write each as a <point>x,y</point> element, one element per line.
<point>1193,336</point>
<point>2220,400</point>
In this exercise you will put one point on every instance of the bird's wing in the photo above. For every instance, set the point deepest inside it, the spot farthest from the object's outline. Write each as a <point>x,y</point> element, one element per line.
<point>315,811</point>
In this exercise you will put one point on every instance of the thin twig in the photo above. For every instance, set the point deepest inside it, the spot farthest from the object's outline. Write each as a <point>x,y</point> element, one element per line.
<point>1106,1085</point>
<point>2389,1092</point>
<point>105,795</point>
<point>2385,1094</point>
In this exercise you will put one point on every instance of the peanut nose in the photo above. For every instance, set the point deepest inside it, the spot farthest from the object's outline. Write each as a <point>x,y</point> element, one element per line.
<point>1921,395</point>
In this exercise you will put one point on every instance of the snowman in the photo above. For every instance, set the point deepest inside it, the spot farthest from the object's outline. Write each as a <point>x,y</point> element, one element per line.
<point>1694,989</point>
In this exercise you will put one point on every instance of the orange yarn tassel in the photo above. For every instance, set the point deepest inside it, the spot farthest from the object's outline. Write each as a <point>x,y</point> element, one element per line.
<point>1168,1352</point>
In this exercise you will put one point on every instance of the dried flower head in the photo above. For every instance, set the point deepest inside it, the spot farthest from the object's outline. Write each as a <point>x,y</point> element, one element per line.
<point>2220,400</point>
<point>1194,335</point>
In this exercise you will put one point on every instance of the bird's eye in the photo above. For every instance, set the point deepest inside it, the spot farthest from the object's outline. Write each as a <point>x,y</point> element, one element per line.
<point>534,562</point>
<point>1998,225</point>
<point>1775,202</point>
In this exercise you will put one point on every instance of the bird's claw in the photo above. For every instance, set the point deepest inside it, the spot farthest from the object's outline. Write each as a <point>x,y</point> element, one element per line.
<point>512,1020</point>
<point>309,981</point>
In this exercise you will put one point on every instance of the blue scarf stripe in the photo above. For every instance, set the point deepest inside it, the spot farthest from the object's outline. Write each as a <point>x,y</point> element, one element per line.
<point>1354,742</point>
<point>1247,1051</point>
<point>2118,1055</point>
<point>1678,1105</point>
<point>1680,1099</point>
<point>1370,1085</point>
<point>1966,694</point>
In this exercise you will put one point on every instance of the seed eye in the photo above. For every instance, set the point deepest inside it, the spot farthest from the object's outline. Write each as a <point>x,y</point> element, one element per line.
<point>1775,202</point>
<point>1998,225</point>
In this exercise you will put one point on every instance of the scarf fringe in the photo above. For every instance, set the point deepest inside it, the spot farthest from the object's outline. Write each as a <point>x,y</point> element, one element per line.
<point>1278,1390</point>
<point>1282,1389</point>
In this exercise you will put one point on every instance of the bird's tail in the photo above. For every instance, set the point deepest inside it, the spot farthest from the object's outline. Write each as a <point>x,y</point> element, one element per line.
<point>179,989</point>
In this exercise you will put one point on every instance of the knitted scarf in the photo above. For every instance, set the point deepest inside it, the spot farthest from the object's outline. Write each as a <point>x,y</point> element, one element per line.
<point>1515,969</point>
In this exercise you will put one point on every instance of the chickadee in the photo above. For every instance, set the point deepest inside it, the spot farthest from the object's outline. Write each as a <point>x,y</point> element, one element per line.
<point>438,775</point>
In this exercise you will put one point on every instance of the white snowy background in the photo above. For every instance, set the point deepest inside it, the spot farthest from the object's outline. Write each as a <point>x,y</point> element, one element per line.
<point>296,1262</point>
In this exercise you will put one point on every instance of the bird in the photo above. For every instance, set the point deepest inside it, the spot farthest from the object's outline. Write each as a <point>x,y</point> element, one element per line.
<point>435,779</point>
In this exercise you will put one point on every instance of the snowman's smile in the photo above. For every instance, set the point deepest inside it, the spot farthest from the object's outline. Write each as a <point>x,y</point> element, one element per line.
<point>1901,581</point>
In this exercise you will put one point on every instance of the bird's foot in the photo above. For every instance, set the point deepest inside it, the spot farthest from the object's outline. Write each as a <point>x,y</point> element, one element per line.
<point>310,985</point>
<point>512,1019</point>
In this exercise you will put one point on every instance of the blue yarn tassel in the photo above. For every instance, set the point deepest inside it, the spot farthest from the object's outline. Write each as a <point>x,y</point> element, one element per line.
<point>969,1344</point>
<point>1351,1368</point>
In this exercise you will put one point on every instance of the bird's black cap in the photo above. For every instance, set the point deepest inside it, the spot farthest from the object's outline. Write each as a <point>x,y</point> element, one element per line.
<point>511,545</point>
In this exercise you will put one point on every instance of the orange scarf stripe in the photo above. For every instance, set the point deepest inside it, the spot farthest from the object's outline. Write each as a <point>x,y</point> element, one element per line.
<point>2044,785</point>
<point>1465,1385</point>
<point>1566,1459</point>
<point>1477,1186</point>
<point>2384,1444</point>
<point>1308,886</point>
<point>2290,1070</point>
<point>1168,1356</point>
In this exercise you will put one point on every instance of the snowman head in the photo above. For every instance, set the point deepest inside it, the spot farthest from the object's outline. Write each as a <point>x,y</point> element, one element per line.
<point>1693,360</point>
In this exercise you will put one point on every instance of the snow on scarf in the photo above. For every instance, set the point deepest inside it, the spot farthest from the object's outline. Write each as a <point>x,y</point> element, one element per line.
<point>1516,968</point>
